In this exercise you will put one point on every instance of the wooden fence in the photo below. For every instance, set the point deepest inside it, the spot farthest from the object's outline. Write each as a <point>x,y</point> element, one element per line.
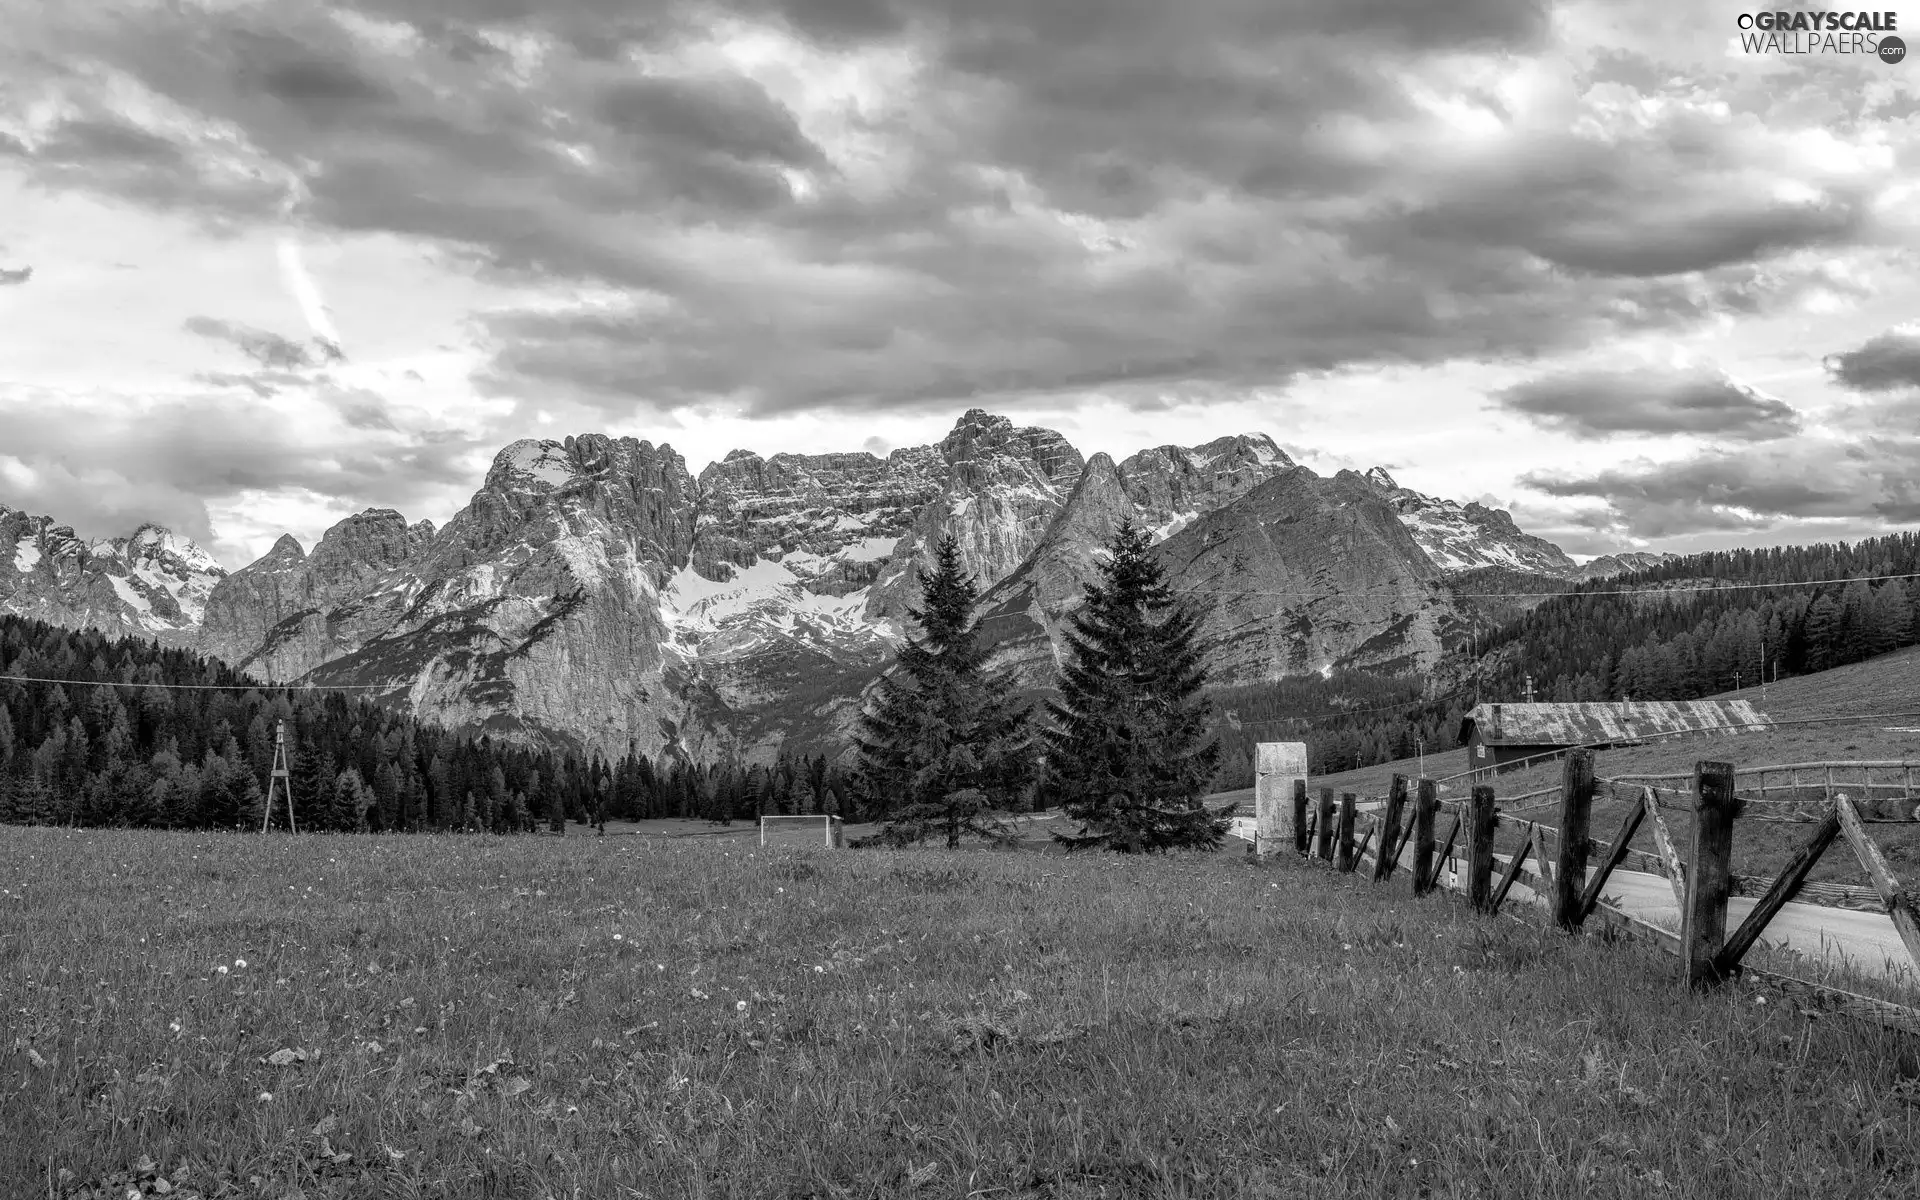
<point>1565,868</point>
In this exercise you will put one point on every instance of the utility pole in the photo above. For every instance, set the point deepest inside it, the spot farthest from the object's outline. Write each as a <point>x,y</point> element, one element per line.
<point>1422,743</point>
<point>279,778</point>
<point>1529,689</point>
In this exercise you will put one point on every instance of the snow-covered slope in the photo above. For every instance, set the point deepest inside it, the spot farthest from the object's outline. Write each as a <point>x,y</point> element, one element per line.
<point>1463,537</point>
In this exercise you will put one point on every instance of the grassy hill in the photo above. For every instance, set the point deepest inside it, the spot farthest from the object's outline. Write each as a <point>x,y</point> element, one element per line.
<point>1845,700</point>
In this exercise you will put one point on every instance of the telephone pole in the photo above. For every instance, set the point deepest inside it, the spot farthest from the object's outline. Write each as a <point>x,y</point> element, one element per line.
<point>279,778</point>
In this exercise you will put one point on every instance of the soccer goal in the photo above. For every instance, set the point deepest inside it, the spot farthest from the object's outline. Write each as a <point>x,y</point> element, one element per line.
<point>811,830</point>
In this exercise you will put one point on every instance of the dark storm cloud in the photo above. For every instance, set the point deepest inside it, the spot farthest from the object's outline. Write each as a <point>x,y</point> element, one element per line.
<point>1885,363</point>
<point>1594,405</point>
<point>733,117</point>
<point>266,348</point>
<point>1299,207</point>
<point>15,275</point>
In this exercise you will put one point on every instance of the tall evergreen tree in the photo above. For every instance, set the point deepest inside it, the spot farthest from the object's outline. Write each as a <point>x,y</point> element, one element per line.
<point>1129,754</point>
<point>945,744</point>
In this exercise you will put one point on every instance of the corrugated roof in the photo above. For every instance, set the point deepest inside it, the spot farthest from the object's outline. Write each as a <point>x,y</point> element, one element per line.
<point>1619,721</point>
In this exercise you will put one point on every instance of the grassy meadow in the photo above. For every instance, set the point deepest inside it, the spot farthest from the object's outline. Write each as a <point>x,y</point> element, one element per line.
<point>330,1016</point>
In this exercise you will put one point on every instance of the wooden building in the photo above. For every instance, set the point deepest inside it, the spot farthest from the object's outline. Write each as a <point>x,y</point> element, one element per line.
<point>1502,735</point>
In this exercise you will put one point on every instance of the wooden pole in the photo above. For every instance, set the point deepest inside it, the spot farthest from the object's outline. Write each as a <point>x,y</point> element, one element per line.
<point>1390,828</point>
<point>1703,931</point>
<point>1480,827</point>
<point>1359,852</point>
<point>1424,807</point>
<point>1576,806</point>
<point>1676,872</point>
<point>279,778</point>
<point>1299,816</point>
<point>1446,852</point>
<point>1343,834</point>
<point>1513,870</point>
<point>1622,842</point>
<point>1900,905</point>
<point>1323,830</point>
<point>1784,886</point>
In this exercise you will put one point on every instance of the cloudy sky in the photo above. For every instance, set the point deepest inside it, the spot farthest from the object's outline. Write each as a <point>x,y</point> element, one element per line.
<point>265,264</point>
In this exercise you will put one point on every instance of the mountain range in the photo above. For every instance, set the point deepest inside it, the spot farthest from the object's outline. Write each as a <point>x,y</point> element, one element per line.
<point>595,594</point>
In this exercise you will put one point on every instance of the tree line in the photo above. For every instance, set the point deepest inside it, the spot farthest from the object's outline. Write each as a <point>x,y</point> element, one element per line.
<point>101,744</point>
<point>1664,643</point>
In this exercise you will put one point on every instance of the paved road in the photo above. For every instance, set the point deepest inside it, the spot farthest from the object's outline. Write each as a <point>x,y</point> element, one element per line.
<point>1866,941</point>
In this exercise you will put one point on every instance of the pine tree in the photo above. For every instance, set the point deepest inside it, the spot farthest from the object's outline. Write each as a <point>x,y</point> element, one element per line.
<point>1129,754</point>
<point>944,743</point>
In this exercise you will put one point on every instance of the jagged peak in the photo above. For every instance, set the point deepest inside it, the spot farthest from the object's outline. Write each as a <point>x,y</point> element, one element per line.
<point>737,455</point>
<point>1378,475</point>
<point>287,548</point>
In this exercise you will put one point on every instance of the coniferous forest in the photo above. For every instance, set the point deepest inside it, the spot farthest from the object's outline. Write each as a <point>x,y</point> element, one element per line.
<point>178,757</point>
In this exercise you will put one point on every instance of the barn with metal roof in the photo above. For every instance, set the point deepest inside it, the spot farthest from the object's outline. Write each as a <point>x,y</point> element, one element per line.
<point>1499,735</point>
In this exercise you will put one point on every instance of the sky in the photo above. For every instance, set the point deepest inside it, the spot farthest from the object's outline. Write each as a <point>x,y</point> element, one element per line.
<point>263,265</point>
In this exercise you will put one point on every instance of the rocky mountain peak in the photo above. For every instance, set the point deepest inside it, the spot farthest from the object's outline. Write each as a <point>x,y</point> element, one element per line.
<point>982,440</point>
<point>286,551</point>
<point>1379,478</point>
<point>1171,486</point>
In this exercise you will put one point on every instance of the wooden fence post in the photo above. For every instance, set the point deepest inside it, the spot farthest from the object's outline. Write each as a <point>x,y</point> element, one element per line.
<point>1343,834</point>
<point>1576,807</point>
<point>1703,931</point>
<point>1390,828</point>
<point>1323,831</point>
<point>1299,816</point>
<point>1480,827</point>
<point>1424,806</point>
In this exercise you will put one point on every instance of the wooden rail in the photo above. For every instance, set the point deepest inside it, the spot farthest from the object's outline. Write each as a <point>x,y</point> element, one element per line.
<point>1565,870</point>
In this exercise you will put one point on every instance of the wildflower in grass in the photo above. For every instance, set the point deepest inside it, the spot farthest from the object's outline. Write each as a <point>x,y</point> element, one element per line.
<point>240,964</point>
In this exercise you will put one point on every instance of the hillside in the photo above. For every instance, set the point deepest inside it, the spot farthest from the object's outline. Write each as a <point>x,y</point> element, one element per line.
<point>1839,698</point>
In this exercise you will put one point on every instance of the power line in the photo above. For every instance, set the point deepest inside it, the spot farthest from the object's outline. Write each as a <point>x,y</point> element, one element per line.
<point>1643,591</point>
<point>207,687</point>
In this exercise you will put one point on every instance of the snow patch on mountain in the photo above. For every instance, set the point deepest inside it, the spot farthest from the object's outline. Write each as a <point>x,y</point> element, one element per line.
<point>1178,522</point>
<point>873,549</point>
<point>26,556</point>
<point>1464,537</point>
<point>129,596</point>
<point>541,462</point>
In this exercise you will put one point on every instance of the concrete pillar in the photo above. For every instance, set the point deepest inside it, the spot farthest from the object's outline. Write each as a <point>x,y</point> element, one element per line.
<point>1276,765</point>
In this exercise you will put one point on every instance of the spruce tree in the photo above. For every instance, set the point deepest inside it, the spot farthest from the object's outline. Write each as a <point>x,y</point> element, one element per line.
<point>1129,755</point>
<point>944,744</point>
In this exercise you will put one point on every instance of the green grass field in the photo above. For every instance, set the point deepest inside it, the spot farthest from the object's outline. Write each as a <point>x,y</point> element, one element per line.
<point>616,1017</point>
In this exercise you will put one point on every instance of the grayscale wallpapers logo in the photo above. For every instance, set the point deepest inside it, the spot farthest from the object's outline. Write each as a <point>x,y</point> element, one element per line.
<point>1821,32</point>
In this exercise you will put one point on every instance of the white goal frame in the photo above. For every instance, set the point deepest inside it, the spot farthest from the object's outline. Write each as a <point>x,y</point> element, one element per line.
<point>832,835</point>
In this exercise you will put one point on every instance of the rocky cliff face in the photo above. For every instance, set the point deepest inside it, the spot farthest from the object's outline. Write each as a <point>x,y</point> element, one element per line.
<point>594,593</point>
<point>153,584</point>
<point>1000,487</point>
